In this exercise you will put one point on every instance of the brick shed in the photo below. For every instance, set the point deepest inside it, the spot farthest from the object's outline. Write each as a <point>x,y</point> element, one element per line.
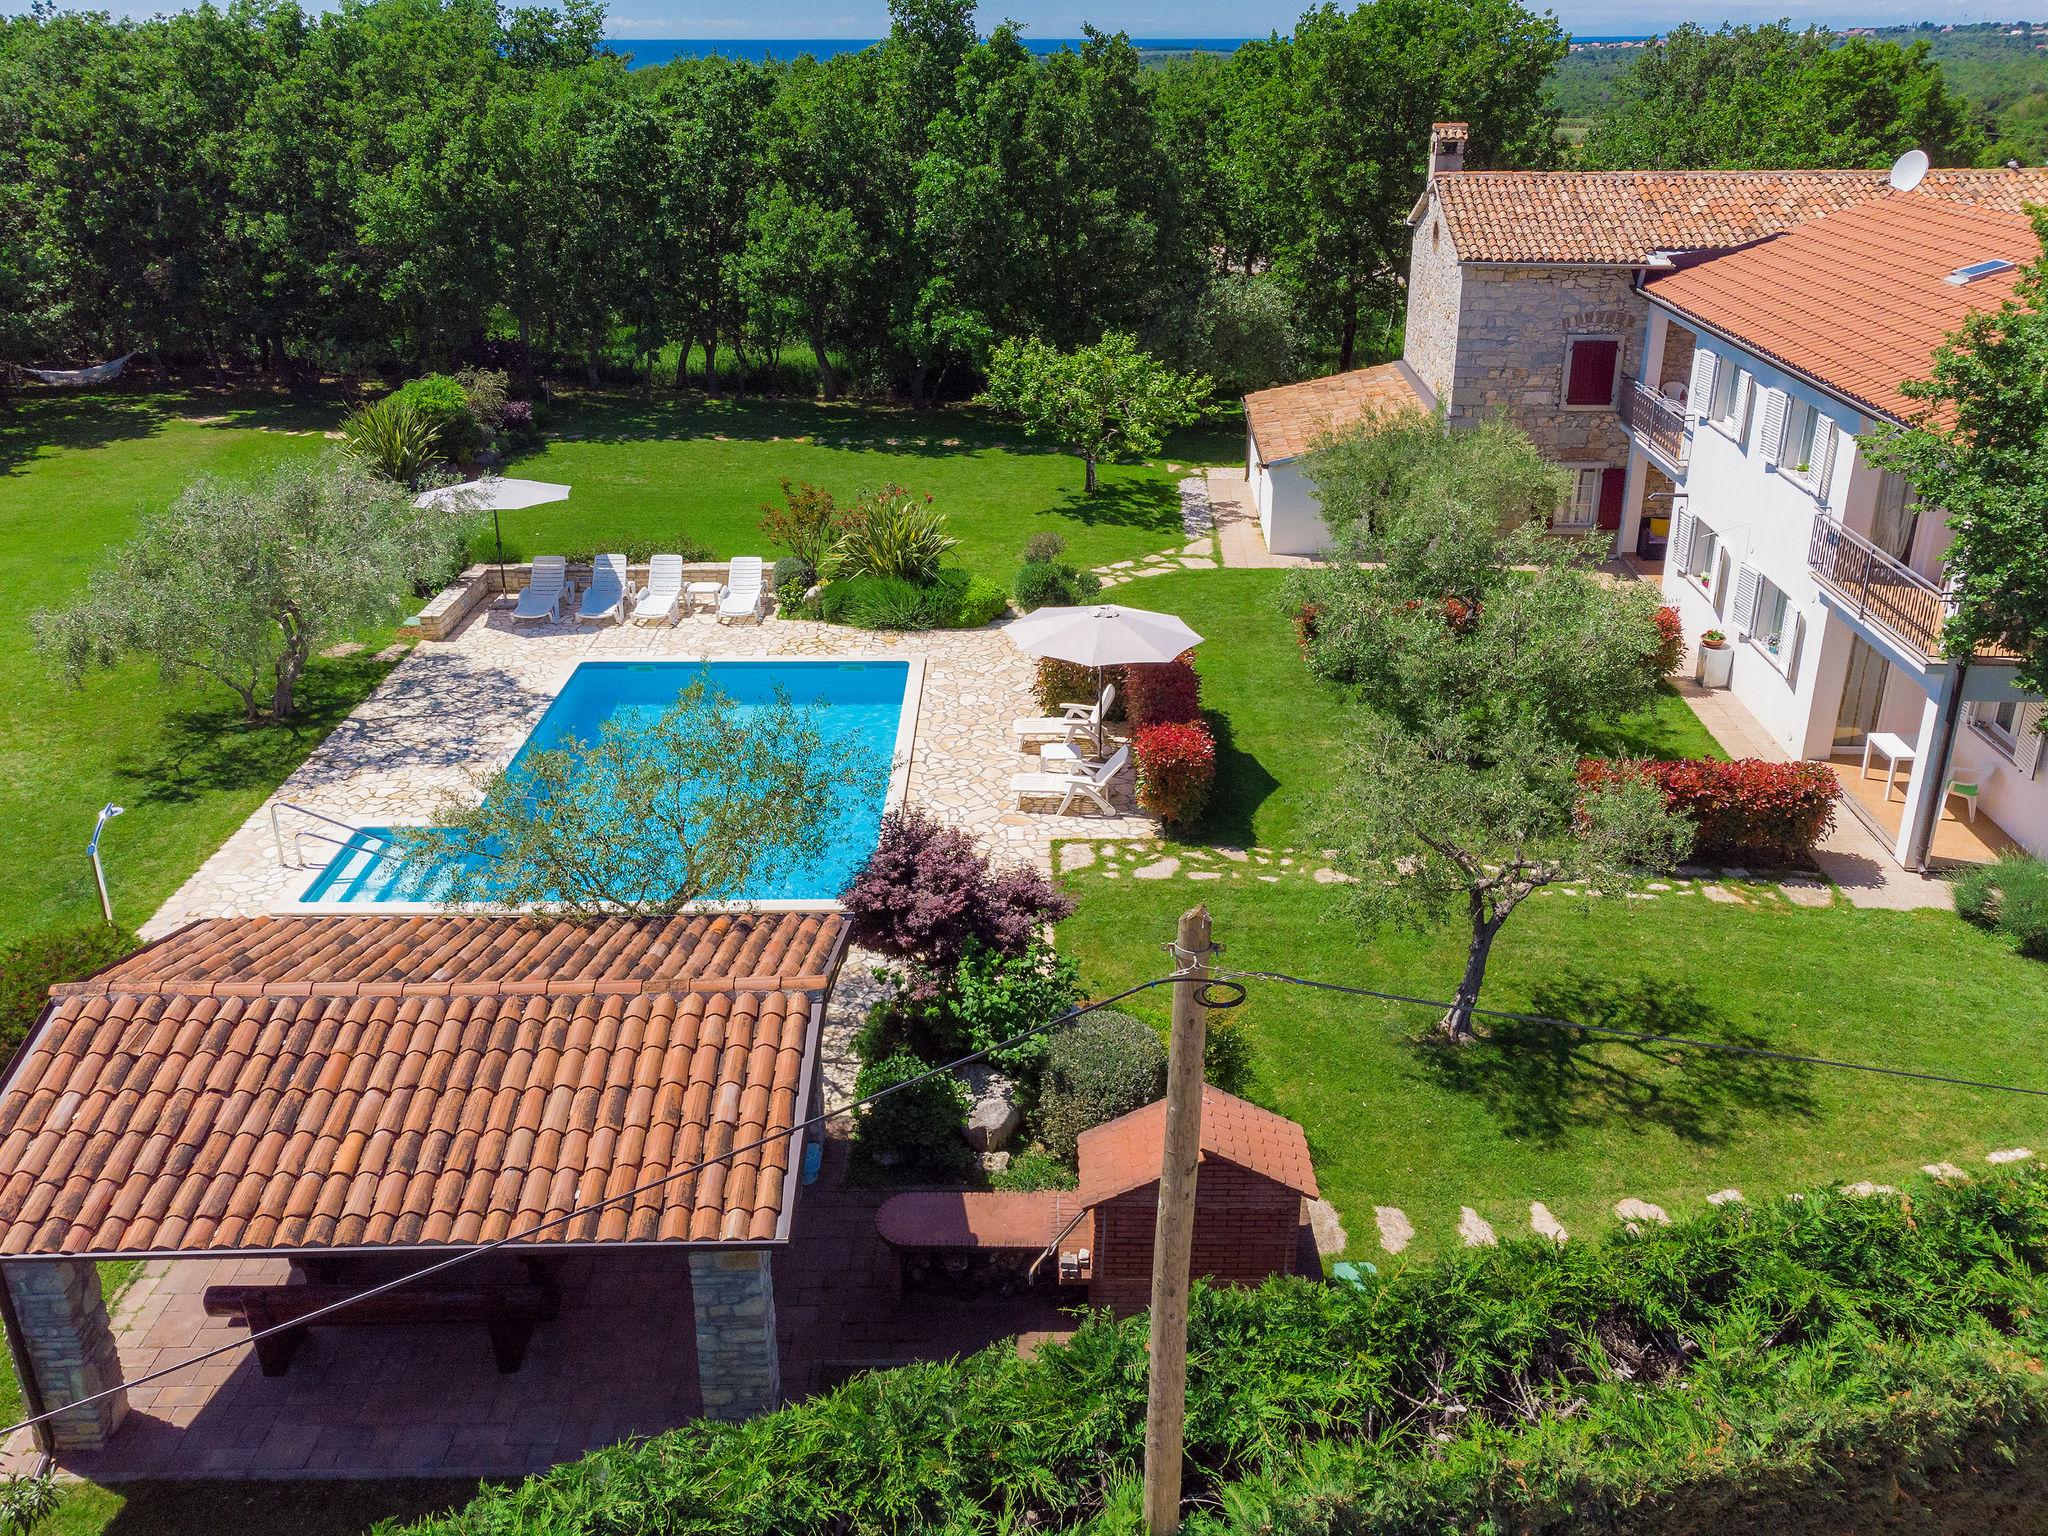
<point>1249,1219</point>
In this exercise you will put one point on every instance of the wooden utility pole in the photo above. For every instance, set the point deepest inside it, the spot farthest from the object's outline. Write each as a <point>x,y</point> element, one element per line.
<point>1173,1240</point>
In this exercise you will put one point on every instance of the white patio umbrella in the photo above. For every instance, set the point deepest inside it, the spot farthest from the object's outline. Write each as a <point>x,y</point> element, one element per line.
<point>495,493</point>
<point>1102,635</point>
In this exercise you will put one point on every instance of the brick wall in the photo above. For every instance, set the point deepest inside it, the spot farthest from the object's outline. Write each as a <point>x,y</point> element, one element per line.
<point>1245,1230</point>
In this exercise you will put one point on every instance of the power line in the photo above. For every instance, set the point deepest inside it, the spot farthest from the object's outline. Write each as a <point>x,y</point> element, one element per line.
<point>1693,1042</point>
<point>1225,1000</point>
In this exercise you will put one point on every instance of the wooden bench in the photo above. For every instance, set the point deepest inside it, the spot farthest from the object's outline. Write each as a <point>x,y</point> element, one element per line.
<point>508,1312</point>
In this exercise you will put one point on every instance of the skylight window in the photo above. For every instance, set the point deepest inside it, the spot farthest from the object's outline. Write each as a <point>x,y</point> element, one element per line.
<point>1977,269</point>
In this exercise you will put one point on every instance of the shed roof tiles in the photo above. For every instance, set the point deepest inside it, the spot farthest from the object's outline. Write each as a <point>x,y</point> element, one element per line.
<point>342,1082</point>
<point>1287,419</point>
<point>1620,218</point>
<point>1857,301</point>
<point>1125,1153</point>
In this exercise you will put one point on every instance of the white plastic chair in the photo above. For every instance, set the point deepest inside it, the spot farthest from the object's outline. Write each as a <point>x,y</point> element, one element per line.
<point>741,596</point>
<point>545,588</point>
<point>1089,784</point>
<point>664,590</point>
<point>606,598</point>
<point>1076,720</point>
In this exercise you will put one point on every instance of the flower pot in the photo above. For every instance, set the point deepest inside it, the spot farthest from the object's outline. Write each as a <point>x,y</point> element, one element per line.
<point>1717,664</point>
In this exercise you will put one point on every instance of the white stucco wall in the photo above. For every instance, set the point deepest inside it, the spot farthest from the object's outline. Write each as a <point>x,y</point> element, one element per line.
<point>1292,519</point>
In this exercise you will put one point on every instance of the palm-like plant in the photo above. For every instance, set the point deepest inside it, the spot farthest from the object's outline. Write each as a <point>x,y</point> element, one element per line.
<point>394,437</point>
<point>901,538</point>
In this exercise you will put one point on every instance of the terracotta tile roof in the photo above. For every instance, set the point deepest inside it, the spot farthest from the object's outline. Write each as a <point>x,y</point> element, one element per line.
<point>1286,420</point>
<point>1124,1154</point>
<point>984,1219</point>
<point>1856,301</point>
<point>1621,217</point>
<point>345,1082</point>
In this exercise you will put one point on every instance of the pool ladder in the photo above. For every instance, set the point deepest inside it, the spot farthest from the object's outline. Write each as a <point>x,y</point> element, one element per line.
<point>297,858</point>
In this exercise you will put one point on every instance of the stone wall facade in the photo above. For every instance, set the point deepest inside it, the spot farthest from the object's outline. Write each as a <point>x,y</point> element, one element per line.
<point>68,1343</point>
<point>1435,293</point>
<point>739,1371</point>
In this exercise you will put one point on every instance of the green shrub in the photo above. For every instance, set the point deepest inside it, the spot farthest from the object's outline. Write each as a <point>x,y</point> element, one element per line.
<point>901,537</point>
<point>918,1126</point>
<point>1068,682</point>
<point>444,405</point>
<point>1033,1169</point>
<point>1043,548</point>
<point>1102,1065</point>
<point>1840,1363</point>
<point>2010,896</point>
<point>392,437</point>
<point>995,996</point>
<point>1227,1053</point>
<point>31,966</point>
<point>1043,584</point>
<point>981,602</point>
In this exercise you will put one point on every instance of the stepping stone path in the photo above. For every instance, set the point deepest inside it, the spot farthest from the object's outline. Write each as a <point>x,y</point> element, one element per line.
<point>1946,1172</point>
<point>344,648</point>
<point>2008,1155</point>
<point>1545,1224</point>
<point>1474,1229</point>
<point>1633,1211</point>
<point>1863,1189</point>
<point>397,651</point>
<point>1198,532</point>
<point>1396,1230</point>
<point>1327,1226</point>
<point>1725,1197</point>
<point>1161,869</point>
<point>1075,856</point>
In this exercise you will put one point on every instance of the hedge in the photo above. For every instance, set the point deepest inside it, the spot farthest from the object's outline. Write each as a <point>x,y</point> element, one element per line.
<point>1163,692</point>
<point>1176,770</point>
<point>1748,811</point>
<point>1797,1356</point>
<point>31,966</point>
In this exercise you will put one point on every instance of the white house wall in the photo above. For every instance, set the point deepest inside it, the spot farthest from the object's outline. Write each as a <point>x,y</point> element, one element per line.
<point>1292,518</point>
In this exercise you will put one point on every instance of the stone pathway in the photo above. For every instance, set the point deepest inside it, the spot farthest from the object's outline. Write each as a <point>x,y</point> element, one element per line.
<point>1241,544</point>
<point>452,713</point>
<point>1197,553</point>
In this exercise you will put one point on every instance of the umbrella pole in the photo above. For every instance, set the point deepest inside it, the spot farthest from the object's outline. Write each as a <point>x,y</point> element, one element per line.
<point>1099,711</point>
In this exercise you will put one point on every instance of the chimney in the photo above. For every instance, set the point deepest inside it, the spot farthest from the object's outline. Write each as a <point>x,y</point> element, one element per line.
<point>1447,146</point>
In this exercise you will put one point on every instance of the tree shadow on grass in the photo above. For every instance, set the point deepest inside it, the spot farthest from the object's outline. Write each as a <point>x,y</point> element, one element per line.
<point>632,418</point>
<point>1151,505</point>
<point>1242,785</point>
<point>207,748</point>
<point>1543,1082</point>
<point>33,420</point>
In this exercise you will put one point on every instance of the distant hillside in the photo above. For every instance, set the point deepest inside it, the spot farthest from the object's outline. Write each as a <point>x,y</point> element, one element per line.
<point>2000,68</point>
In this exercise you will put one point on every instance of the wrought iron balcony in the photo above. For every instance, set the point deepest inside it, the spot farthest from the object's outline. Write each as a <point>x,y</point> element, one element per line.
<point>1658,424</point>
<point>1879,589</point>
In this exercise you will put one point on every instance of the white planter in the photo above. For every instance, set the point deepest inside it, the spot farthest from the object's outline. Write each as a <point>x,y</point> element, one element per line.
<point>1717,665</point>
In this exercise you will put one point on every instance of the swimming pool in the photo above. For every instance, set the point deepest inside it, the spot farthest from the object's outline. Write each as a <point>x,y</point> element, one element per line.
<point>868,711</point>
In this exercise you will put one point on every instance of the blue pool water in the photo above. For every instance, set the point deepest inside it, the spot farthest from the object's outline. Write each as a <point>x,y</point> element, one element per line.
<point>862,704</point>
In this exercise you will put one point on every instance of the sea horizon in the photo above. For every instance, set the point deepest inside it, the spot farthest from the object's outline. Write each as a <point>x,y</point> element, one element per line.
<point>647,52</point>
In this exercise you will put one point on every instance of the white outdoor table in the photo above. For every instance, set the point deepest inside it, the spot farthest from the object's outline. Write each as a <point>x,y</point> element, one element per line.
<point>1896,750</point>
<point>707,591</point>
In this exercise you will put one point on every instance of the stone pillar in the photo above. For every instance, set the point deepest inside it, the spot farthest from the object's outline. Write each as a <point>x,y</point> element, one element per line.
<point>739,1373</point>
<point>68,1342</point>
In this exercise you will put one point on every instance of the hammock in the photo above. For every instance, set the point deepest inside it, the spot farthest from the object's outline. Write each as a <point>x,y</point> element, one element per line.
<point>99,373</point>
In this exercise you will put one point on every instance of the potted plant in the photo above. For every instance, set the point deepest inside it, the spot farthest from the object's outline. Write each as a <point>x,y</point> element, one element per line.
<point>1717,659</point>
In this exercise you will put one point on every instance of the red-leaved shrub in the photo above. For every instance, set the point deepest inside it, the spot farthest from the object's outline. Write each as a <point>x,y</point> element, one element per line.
<point>1750,811</point>
<point>1176,769</point>
<point>1308,620</point>
<point>1670,641</point>
<point>1163,692</point>
<point>1068,682</point>
<point>926,893</point>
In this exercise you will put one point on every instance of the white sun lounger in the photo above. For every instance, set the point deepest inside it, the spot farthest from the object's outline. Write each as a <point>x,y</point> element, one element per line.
<point>1088,783</point>
<point>741,596</point>
<point>656,603</point>
<point>1077,719</point>
<point>545,589</point>
<point>605,598</point>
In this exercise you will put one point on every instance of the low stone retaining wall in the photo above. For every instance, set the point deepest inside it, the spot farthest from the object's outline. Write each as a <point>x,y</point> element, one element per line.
<point>450,608</point>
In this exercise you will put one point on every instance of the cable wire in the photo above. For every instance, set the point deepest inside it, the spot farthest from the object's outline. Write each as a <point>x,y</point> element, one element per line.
<point>1231,994</point>
<point>1693,1042</point>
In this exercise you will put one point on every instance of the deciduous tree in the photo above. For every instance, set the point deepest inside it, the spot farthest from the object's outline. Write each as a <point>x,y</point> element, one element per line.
<point>1098,401</point>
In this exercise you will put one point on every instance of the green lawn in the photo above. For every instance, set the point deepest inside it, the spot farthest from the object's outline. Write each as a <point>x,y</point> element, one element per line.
<point>1532,1115</point>
<point>252,1507</point>
<point>651,473</point>
<point>1280,736</point>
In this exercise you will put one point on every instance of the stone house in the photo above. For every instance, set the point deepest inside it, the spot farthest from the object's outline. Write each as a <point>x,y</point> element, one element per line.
<point>1524,301</point>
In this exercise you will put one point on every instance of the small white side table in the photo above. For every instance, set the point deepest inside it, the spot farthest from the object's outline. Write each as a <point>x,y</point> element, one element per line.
<point>1896,750</point>
<point>704,591</point>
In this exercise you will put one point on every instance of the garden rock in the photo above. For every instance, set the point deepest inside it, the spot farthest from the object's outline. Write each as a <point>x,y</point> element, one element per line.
<point>1396,1230</point>
<point>1725,1197</point>
<point>1633,1210</point>
<point>1544,1224</point>
<point>993,1118</point>
<point>1948,1172</point>
<point>1475,1229</point>
<point>2009,1155</point>
<point>1327,1227</point>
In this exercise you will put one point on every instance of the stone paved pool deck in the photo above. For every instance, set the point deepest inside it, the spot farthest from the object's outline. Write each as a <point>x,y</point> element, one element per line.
<point>454,712</point>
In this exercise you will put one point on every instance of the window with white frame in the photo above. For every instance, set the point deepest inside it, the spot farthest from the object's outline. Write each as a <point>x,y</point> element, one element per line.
<point>1999,724</point>
<point>1772,625</point>
<point>1584,506</point>
<point>1699,559</point>
<point>1725,406</point>
<point>1592,372</point>
<point>1802,425</point>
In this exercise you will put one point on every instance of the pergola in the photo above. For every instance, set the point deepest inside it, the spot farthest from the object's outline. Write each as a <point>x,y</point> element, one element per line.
<point>337,1090</point>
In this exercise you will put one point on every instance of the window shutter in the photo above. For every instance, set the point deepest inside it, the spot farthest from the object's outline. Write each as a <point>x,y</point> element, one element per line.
<point>1699,394</point>
<point>1772,442</point>
<point>1590,370</point>
<point>1679,546</point>
<point>1745,410</point>
<point>1792,646</point>
<point>1824,459</point>
<point>1745,599</point>
<point>2033,746</point>
<point>1613,485</point>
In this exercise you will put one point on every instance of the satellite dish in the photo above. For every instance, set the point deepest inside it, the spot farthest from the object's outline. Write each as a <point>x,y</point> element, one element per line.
<point>1908,170</point>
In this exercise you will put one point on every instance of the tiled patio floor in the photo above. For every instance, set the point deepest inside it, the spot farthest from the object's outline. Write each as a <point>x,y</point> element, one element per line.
<point>453,713</point>
<point>621,1360</point>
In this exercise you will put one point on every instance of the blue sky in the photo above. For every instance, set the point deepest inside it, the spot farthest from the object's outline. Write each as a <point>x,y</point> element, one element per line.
<point>1235,18</point>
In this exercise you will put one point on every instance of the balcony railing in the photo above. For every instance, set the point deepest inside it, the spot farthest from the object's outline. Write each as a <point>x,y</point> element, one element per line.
<point>1657,423</point>
<point>1893,596</point>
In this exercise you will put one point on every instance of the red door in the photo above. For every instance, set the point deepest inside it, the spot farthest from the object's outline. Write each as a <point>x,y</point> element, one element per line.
<point>1612,483</point>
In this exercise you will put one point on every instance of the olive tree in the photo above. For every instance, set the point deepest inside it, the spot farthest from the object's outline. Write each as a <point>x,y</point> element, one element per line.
<point>1485,651</point>
<point>706,802</point>
<point>1097,402</point>
<point>239,580</point>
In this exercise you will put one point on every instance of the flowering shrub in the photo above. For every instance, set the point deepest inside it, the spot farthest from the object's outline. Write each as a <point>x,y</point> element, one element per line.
<point>1670,641</point>
<point>1307,621</point>
<point>1176,769</point>
<point>1068,682</point>
<point>926,893</point>
<point>1751,810</point>
<point>1163,693</point>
